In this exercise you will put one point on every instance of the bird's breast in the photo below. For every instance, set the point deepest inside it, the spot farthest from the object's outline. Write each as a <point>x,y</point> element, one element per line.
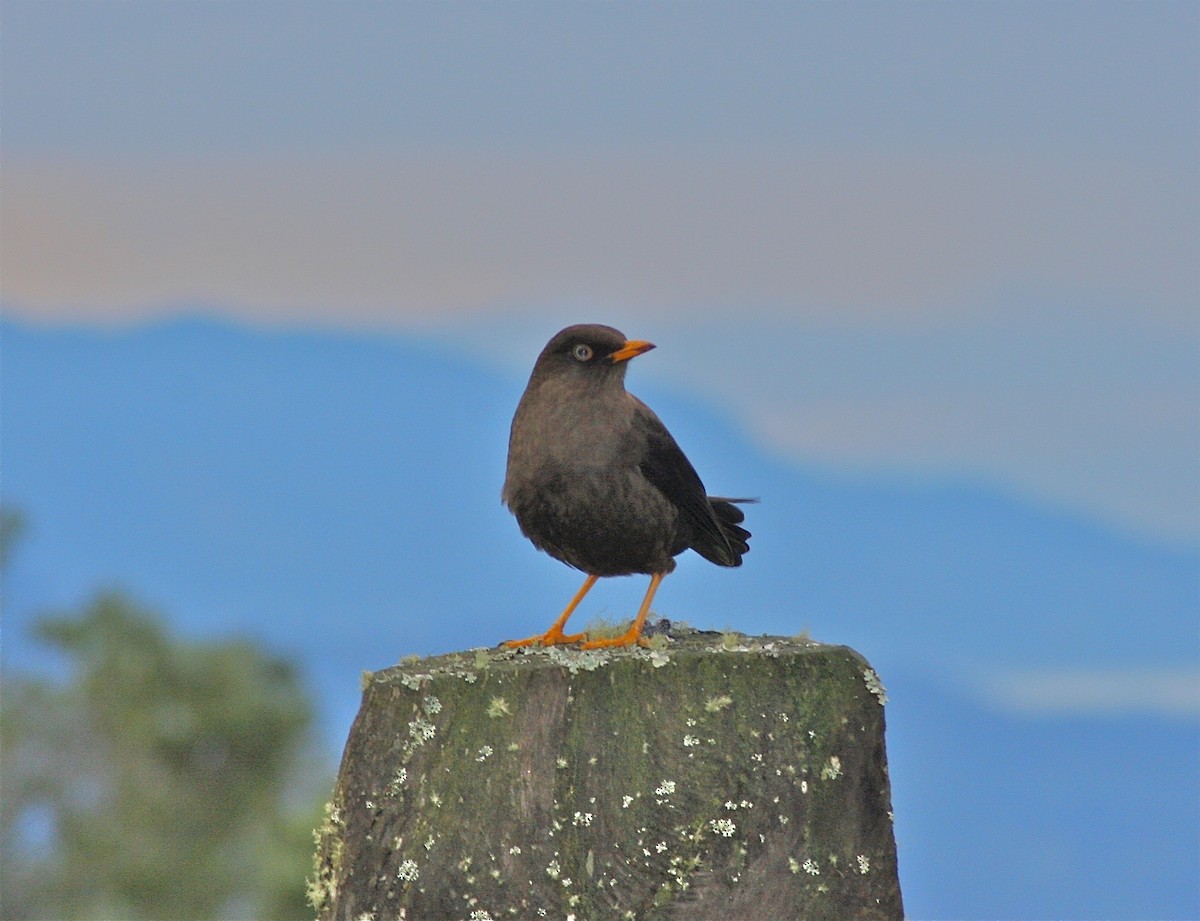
<point>606,523</point>
<point>576,487</point>
<point>581,435</point>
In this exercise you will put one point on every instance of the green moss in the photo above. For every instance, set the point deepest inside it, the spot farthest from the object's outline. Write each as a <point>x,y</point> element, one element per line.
<point>322,886</point>
<point>601,628</point>
<point>665,774</point>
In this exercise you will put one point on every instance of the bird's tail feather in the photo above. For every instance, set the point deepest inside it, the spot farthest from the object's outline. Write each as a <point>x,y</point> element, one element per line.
<point>730,517</point>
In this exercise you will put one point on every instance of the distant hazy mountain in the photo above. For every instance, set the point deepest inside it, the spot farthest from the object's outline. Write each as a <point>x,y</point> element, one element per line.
<point>338,497</point>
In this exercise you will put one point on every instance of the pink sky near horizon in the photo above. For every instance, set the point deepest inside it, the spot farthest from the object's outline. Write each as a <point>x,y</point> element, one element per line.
<point>973,253</point>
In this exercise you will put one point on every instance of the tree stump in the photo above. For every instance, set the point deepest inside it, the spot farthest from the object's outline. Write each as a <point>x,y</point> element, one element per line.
<point>717,776</point>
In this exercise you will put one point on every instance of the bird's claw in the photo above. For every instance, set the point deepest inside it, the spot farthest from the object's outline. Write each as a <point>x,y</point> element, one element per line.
<point>549,638</point>
<point>616,642</point>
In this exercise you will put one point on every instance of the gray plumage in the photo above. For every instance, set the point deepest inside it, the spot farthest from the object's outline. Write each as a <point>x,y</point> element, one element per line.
<point>595,479</point>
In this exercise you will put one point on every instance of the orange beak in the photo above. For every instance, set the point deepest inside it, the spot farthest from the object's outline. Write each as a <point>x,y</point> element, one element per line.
<point>631,349</point>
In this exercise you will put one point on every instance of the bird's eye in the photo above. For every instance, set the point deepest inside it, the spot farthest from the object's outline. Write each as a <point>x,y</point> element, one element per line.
<point>582,352</point>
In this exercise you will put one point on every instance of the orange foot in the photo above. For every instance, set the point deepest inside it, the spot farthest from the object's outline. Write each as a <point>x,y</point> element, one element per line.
<point>630,637</point>
<point>552,637</point>
<point>555,636</point>
<point>634,633</point>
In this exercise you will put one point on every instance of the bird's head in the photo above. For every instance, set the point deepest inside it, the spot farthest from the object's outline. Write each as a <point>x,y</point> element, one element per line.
<point>589,352</point>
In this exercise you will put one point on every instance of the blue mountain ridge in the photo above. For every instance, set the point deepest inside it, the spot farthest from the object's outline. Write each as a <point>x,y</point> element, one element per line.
<point>337,497</point>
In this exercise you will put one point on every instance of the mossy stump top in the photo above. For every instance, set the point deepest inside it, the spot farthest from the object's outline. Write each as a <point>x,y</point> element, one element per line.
<point>715,777</point>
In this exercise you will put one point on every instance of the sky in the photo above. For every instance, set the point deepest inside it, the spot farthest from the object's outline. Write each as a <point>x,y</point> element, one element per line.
<point>915,240</point>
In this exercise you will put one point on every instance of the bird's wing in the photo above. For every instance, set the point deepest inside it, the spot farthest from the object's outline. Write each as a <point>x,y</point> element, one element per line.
<point>665,465</point>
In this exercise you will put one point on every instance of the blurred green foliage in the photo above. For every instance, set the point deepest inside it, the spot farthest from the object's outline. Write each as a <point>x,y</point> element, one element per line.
<point>165,778</point>
<point>12,526</point>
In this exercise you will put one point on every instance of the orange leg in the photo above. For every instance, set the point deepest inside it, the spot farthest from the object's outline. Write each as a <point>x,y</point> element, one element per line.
<point>555,636</point>
<point>634,633</point>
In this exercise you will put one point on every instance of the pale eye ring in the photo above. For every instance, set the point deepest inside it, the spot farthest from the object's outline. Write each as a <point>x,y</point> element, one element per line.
<point>582,352</point>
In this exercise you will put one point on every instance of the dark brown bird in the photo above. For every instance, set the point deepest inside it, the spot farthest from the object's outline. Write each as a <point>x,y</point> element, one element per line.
<point>596,480</point>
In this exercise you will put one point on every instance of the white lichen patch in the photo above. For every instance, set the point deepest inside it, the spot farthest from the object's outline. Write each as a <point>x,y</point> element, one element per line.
<point>681,868</point>
<point>833,769</point>
<point>575,661</point>
<point>723,827</point>
<point>582,818</point>
<point>414,680</point>
<point>408,871</point>
<point>874,685</point>
<point>625,801</point>
<point>421,731</point>
<point>690,741</point>
<point>810,867</point>
<point>498,708</point>
<point>397,782</point>
<point>485,752</point>
<point>321,888</point>
<point>666,788</point>
<point>864,864</point>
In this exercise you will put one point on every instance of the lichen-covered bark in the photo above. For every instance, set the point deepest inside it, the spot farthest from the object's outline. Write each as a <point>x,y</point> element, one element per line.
<point>718,777</point>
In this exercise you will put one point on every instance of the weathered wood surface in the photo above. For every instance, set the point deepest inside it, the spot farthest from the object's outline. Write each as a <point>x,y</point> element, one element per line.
<point>717,777</point>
